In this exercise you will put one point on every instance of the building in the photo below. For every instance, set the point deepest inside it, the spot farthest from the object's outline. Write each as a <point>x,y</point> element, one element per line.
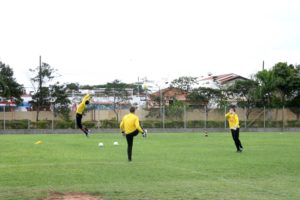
<point>167,96</point>
<point>7,104</point>
<point>220,81</point>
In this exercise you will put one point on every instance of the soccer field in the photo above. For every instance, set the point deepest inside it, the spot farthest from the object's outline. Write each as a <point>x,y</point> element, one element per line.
<point>165,166</point>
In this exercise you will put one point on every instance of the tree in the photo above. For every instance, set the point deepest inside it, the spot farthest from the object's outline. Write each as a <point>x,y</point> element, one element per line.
<point>185,83</point>
<point>72,86</point>
<point>42,75</point>
<point>245,92</point>
<point>267,87</point>
<point>279,84</point>
<point>9,87</point>
<point>44,102</point>
<point>287,81</point>
<point>207,97</point>
<point>119,93</point>
<point>59,100</point>
<point>293,102</point>
<point>294,105</point>
<point>176,109</point>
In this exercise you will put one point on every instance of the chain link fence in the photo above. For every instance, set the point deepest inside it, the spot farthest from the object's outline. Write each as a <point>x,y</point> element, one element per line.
<point>164,117</point>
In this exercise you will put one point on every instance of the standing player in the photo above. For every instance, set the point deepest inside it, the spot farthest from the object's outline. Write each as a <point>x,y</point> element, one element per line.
<point>80,109</point>
<point>130,126</point>
<point>234,126</point>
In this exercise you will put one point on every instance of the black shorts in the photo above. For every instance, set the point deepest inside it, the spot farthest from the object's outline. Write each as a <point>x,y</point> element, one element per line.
<point>78,120</point>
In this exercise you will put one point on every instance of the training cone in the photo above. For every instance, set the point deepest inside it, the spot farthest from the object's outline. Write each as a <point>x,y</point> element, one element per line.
<point>39,142</point>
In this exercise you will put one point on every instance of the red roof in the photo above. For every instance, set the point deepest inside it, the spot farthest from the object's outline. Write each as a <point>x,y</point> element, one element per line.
<point>223,78</point>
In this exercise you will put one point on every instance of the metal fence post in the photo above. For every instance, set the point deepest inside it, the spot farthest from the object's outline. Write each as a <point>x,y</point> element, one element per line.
<point>225,123</point>
<point>4,117</point>
<point>282,118</point>
<point>205,123</point>
<point>264,117</point>
<point>163,116</point>
<point>184,112</point>
<point>245,110</point>
<point>52,125</point>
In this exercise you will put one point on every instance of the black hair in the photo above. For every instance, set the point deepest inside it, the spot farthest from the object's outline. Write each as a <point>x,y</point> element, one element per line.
<point>132,109</point>
<point>87,102</point>
<point>232,107</point>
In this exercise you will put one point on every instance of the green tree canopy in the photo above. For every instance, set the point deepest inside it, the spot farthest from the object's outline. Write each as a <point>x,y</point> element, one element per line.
<point>42,76</point>
<point>278,85</point>
<point>59,100</point>
<point>120,94</point>
<point>246,93</point>
<point>9,87</point>
<point>185,83</point>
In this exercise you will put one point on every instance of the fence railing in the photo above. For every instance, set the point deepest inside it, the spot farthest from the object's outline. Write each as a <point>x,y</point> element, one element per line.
<point>159,118</point>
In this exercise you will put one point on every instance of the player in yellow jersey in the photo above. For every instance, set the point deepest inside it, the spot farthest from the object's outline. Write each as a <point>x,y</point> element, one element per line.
<point>234,126</point>
<point>79,112</point>
<point>130,126</point>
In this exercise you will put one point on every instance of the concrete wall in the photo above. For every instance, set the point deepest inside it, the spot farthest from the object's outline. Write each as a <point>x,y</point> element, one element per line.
<point>150,131</point>
<point>196,114</point>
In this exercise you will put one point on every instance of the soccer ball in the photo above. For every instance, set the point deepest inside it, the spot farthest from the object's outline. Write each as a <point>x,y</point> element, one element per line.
<point>101,144</point>
<point>116,143</point>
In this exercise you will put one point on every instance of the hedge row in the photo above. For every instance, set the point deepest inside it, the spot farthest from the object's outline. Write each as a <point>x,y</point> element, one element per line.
<point>25,124</point>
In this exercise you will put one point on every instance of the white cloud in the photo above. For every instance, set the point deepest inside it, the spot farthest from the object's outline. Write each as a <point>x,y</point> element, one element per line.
<point>93,42</point>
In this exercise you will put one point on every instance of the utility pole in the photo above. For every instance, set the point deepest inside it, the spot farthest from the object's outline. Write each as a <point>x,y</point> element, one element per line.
<point>39,90</point>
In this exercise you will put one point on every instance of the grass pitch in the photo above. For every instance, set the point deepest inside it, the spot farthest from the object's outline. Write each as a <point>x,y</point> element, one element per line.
<point>165,166</point>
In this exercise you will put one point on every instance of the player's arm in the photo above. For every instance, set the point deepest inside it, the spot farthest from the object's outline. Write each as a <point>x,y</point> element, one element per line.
<point>227,115</point>
<point>122,126</point>
<point>137,125</point>
<point>87,97</point>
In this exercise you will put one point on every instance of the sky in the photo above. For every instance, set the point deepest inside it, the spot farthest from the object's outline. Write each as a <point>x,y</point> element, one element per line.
<point>97,41</point>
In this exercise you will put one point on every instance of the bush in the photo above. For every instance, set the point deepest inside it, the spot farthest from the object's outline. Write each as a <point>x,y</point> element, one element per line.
<point>151,124</point>
<point>215,124</point>
<point>60,124</point>
<point>274,124</point>
<point>41,124</point>
<point>18,124</point>
<point>293,124</point>
<point>89,124</point>
<point>195,124</point>
<point>109,124</point>
<point>174,124</point>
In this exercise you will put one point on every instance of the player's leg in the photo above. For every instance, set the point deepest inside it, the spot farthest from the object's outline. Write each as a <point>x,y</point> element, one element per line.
<point>129,138</point>
<point>238,139</point>
<point>135,133</point>
<point>79,124</point>
<point>234,137</point>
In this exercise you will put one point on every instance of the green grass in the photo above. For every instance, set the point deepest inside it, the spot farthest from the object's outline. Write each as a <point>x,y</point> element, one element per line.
<point>165,166</point>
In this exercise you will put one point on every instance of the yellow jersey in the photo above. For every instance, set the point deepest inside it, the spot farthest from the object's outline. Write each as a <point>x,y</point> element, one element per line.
<point>130,123</point>
<point>81,106</point>
<point>233,120</point>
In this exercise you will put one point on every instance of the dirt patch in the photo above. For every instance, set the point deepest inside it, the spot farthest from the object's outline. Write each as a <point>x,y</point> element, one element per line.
<point>71,196</point>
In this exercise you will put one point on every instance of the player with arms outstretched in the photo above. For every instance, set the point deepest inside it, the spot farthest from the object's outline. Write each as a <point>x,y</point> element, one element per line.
<point>234,126</point>
<point>79,112</point>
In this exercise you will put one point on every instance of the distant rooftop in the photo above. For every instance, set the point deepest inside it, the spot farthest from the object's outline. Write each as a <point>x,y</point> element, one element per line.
<point>223,78</point>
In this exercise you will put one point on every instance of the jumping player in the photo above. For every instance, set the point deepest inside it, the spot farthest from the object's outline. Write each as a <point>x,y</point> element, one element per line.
<point>80,109</point>
<point>130,126</point>
<point>234,126</point>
